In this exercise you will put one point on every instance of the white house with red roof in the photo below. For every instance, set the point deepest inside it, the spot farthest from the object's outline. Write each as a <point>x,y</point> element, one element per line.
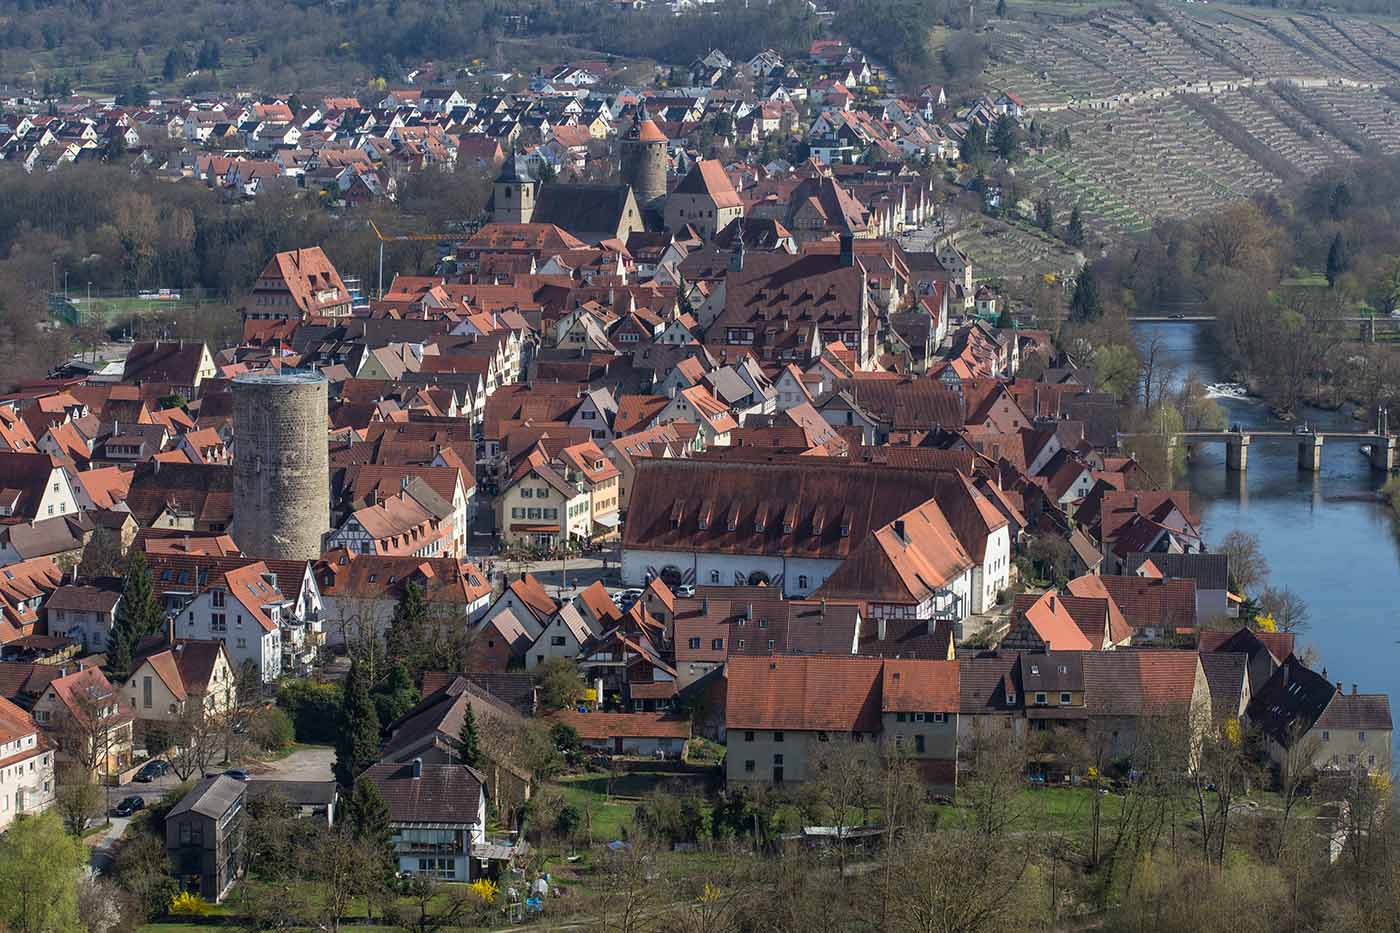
<point>26,765</point>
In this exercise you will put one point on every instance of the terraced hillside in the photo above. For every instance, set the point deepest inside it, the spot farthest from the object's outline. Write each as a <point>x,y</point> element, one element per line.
<point>1173,115</point>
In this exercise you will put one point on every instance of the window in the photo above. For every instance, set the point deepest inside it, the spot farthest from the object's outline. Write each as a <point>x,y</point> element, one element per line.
<point>749,765</point>
<point>517,513</point>
<point>899,741</point>
<point>900,717</point>
<point>242,642</point>
<point>218,623</point>
<point>778,759</point>
<point>940,717</point>
<point>1040,699</point>
<point>1361,737</point>
<point>748,736</point>
<point>1011,698</point>
<point>556,641</point>
<point>717,644</point>
<point>918,717</point>
<point>1326,736</point>
<point>527,492</point>
<point>919,744</point>
<point>777,736</point>
<point>695,644</point>
<point>146,692</point>
<point>1064,699</point>
<point>216,597</point>
<point>714,576</point>
<point>802,581</point>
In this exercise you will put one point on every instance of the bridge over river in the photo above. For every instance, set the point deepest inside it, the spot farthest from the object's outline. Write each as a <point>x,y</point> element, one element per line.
<point>1381,442</point>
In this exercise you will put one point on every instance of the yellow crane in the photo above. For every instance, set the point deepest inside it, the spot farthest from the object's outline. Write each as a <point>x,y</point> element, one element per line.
<point>408,238</point>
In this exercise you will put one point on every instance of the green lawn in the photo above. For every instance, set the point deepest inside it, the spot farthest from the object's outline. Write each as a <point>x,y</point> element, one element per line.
<point>606,817</point>
<point>1307,280</point>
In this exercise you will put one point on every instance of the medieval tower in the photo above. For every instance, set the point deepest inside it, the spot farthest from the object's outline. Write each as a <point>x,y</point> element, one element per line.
<point>644,160</point>
<point>281,478</point>
<point>514,193</point>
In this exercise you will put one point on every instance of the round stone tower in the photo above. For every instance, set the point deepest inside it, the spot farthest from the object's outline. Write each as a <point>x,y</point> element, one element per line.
<point>644,159</point>
<point>281,478</point>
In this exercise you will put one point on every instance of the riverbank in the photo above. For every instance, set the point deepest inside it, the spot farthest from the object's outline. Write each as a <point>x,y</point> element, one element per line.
<point>1330,536</point>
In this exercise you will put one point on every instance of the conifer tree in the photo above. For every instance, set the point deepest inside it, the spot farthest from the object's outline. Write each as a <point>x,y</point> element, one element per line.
<point>357,746</point>
<point>404,640</point>
<point>1074,232</point>
<point>468,743</point>
<point>138,616</point>
<point>1337,259</point>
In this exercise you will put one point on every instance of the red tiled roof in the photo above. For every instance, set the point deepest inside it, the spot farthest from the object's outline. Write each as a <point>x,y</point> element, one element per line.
<point>600,726</point>
<point>920,686</point>
<point>804,693</point>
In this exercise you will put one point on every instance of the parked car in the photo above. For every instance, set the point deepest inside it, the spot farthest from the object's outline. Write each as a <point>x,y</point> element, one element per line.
<point>128,806</point>
<point>238,774</point>
<point>685,590</point>
<point>152,770</point>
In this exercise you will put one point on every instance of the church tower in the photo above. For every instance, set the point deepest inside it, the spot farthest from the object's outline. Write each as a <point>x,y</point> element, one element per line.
<point>644,159</point>
<point>513,200</point>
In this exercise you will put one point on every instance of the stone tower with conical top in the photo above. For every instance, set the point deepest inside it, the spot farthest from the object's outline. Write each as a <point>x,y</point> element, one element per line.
<point>644,160</point>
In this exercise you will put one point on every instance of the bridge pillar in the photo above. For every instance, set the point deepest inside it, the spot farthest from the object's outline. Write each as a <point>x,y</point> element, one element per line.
<point>1383,454</point>
<point>1237,453</point>
<point>1310,453</point>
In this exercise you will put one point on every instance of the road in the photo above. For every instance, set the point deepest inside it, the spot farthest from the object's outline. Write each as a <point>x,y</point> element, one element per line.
<point>312,763</point>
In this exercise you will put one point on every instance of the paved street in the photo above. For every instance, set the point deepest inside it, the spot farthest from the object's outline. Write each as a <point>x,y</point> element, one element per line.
<point>305,764</point>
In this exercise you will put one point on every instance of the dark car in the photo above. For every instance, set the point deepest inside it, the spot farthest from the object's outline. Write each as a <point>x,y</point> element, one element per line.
<point>128,806</point>
<point>238,774</point>
<point>152,770</point>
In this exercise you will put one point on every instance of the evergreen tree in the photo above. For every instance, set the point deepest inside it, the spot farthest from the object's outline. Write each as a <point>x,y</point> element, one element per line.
<point>1006,137</point>
<point>468,747</point>
<point>973,147</point>
<point>396,695</point>
<point>1074,232</point>
<point>138,616</point>
<point>1337,259</point>
<point>1045,215</point>
<point>1086,304</point>
<point>368,815</point>
<point>1004,319</point>
<point>357,746</point>
<point>405,637</point>
<point>1001,8</point>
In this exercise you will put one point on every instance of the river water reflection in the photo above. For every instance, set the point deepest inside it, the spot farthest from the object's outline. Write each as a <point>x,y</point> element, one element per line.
<point>1341,555</point>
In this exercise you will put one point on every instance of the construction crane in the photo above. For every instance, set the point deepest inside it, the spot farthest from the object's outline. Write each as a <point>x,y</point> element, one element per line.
<point>467,230</point>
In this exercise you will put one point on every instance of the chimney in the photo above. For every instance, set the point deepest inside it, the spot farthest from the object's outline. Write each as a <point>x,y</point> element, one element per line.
<point>880,628</point>
<point>417,768</point>
<point>848,250</point>
<point>1353,689</point>
<point>1339,687</point>
<point>704,605</point>
<point>1135,502</point>
<point>748,613</point>
<point>170,629</point>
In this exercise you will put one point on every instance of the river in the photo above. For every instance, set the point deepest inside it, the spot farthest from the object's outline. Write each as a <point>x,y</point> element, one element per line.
<point>1342,556</point>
